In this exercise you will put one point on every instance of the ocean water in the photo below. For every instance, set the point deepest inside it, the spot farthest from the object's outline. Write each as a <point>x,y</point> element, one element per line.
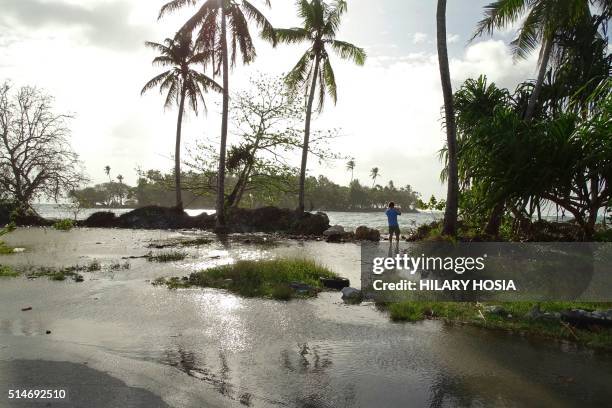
<point>349,220</point>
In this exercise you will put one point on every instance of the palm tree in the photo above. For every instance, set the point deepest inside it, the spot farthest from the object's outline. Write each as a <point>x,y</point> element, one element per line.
<point>107,170</point>
<point>320,25</point>
<point>452,195</point>
<point>181,83</point>
<point>120,189</point>
<point>350,166</point>
<point>374,174</point>
<point>211,22</point>
<point>544,21</point>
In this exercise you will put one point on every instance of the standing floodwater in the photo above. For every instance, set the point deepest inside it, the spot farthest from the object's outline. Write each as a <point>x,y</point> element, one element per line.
<point>205,347</point>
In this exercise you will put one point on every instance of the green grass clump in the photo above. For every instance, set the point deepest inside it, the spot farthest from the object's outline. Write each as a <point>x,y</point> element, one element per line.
<point>514,318</point>
<point>8,272</point>
<point>170,256</point>
<point>93,266</point>
<point>4,249</point>
<point>64,225</point>
<point>270,278</point>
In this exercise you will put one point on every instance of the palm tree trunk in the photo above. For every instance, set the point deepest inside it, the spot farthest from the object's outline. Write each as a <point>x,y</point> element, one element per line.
<point>315,73</point>
<point>452,195</point>
<point>177,152</point>
<point>535,95</point>
<point>223,145</point>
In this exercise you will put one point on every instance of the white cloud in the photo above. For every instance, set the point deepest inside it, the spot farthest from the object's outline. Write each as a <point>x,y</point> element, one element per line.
<point>453,38</point>
<point>419,38</point>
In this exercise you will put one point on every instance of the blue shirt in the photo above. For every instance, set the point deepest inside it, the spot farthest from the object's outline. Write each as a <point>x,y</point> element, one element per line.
<point>392,214</point>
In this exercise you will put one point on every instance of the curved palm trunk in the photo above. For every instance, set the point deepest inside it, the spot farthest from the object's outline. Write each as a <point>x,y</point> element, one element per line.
<point>223,145</point>
<point>315,73</point>
<point>535,95</point>
<point>177,152</point>
<point>452,195</point>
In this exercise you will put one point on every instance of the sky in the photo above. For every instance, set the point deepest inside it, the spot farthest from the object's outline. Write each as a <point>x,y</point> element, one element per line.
<point>90,56</point>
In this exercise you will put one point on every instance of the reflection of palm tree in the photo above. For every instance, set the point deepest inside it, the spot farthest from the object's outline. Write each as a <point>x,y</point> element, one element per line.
<point>320,25</point>
<point>212,20</point>
<point>181,83</point>
<point>543,22</point>
<point>374,174</point>
<point>350,166</point>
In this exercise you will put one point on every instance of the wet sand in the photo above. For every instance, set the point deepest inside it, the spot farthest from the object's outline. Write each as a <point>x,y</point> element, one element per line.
<point>204,347</point>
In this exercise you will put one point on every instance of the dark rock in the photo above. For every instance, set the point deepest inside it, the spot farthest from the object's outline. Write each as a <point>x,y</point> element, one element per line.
<point>363,233</point>
<point>335,283</point>
<point>154,217</point>
<point>352,295</point>
<point>495,309</point>
<point>310,224</point>
<point>335,230</point>
<point>273,219</point>
<point>300,287</point>
<point>48,332</point>
<point>25,309</point>
<point>582,318</point>
<point>102,219</point>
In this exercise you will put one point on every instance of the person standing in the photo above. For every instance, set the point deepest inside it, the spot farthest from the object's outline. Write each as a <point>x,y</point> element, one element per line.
<point>394,228</point>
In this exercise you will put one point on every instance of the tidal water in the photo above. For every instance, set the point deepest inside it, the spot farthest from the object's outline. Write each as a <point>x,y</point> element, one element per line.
<point>209,348</point>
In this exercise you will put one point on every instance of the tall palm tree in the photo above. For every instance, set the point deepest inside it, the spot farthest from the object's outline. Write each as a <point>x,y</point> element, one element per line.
<point>452,194</point>
<point>374,174</point>
<point>182,83</point>
<point>107,170</point>
<point>350,166</point>
<point>321,22</point>
<point>211,23</point>
<point>543,21</point>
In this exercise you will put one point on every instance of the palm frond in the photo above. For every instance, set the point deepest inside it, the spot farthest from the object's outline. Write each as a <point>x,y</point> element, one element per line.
<point>330,80</point>
<point>267,31</point>
<point>241,35</point>
<point>499,14</point>
<point>529,36</point>
<point>292,35</point>
<point>349,51</point>
<point>297,75</point>
<point>200,16</point>
<point>173,6</point>
<point>155,82</point>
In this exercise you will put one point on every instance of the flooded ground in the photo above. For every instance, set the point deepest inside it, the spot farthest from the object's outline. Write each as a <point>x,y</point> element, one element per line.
<point>207,348</point>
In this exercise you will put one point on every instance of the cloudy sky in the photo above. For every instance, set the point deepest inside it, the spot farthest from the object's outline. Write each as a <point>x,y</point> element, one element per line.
<point>89,54</point>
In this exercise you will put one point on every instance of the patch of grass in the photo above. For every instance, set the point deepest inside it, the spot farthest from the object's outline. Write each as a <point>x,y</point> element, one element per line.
<point>170,256</point>
<point>58,274</point>
<point>181,243</point>
<point>514,318</point>
<point>94,266</point>
<point>8,272</point>
<point>64,225</point>
<point>271,278</point>
<point>4,249</point>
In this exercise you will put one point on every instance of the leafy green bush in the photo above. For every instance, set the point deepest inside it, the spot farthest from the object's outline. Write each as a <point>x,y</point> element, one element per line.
<point>170,256</point>
<point>64,225</point>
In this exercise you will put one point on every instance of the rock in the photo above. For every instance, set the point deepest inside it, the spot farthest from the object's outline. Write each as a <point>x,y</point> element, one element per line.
<point>310,224</point>
<point>154,217</point>
<point>48,332</point>
<point>101,219</point>
<point>581,318</point>
<point>335,283</point>
<point>495,309</point>
<point>79,278</point>
<point>300,287</point>
<point>335,230</point>
<point>363,233</point>
<point>25,309</point>
<point>351,295</point>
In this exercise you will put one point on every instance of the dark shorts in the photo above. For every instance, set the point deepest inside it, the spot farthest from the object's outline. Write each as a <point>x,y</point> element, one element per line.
<point>394,229</point>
